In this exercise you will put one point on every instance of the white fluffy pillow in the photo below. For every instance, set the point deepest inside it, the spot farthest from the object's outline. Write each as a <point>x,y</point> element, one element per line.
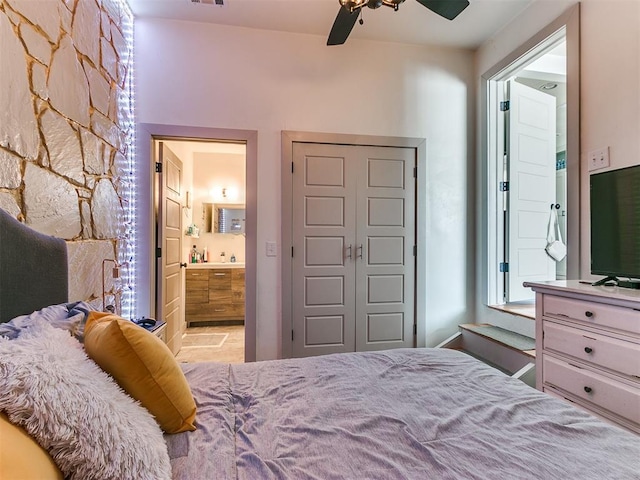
<point>90,427</point>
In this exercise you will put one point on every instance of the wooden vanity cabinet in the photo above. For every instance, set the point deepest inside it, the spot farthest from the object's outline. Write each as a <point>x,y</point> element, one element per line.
<point>214,295</point>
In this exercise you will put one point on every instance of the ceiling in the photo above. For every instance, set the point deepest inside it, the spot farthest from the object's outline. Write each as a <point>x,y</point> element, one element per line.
<point>412,23</point>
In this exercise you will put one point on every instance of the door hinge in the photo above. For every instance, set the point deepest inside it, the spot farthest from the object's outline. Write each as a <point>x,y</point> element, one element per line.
<point>158,252</point>
<point>415,328</point>
<point>504,106</point>
<point>415,172</point>
<point>415,250</point>
<point>504,267</point>
<point>291,167</point>
<point>504,186</point>
<point>291,252</point>
<point>292,335</point>
<point>158,167</point>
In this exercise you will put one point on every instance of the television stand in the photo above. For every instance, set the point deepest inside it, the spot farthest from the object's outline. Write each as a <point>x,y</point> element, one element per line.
<point>633,284</point>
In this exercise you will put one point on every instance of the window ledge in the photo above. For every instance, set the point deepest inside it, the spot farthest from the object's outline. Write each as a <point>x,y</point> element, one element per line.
<point>526,311</point>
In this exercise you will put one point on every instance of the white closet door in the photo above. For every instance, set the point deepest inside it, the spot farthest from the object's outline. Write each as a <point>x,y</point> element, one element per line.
<point>353,236</point>
<point>385,264</point>
<point>324,221</point>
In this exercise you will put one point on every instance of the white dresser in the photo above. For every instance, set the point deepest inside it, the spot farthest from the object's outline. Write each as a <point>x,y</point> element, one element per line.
<point>588,348</point>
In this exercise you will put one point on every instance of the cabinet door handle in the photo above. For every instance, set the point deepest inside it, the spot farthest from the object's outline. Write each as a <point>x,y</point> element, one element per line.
<point>348,249</point>
<point>359,249</point>
<point>588,389</point>
<point>588,314</point>
<point>588,349</point>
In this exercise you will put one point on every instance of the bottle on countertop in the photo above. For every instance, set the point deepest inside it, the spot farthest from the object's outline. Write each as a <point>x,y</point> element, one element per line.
<point>205,255</point>
<point>233,258</point>
<point>194,254</point>
<point>223,259</point>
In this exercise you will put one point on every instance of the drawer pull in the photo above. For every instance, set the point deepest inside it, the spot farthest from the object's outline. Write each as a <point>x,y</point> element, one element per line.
<point>588,314</point>
<point>588,349</point>
<point>220,310</point>
<point>219,274</point>
<point>588,389</point>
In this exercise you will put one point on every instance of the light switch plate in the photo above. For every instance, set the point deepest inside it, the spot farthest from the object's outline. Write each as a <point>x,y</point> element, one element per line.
<point>272,249</point>
<point>599,158</point>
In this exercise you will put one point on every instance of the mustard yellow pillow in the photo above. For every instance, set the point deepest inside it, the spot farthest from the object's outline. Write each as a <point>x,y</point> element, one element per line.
<point>144,367</point>
<point>21,457</point>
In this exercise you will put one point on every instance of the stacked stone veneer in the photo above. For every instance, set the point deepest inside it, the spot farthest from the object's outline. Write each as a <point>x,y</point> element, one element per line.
<point>65,116</point>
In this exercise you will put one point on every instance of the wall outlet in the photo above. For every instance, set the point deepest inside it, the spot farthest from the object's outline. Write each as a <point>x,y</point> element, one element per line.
<point>599,158</point>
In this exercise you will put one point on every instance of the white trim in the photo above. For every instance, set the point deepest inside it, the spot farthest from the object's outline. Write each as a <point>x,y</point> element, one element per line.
<point>566,26</point>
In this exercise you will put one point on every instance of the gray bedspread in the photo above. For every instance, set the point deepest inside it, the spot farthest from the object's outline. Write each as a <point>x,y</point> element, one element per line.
<point>399,414</point>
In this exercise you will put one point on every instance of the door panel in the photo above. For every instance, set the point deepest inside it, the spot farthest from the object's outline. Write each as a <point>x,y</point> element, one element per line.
<point>324,216</point>
<point>532,160</point>
<point>354,232</point>
<point>383,327</point>
<point>385,278</point>
<point>169,306</point>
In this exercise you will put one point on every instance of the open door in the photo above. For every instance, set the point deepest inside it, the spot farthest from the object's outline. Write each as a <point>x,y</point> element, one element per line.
<point>532,184</point>
<point>169,240</point>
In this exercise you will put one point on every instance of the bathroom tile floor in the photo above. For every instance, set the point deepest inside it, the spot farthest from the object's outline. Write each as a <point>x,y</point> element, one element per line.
<point>231,350</point>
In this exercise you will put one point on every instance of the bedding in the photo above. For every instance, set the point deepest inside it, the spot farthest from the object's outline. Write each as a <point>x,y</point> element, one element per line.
<point>398,414</point>
<point>67,316</point>
<point>75,411</point>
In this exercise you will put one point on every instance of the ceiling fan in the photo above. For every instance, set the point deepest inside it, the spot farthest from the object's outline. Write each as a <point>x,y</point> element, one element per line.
<point>350,10</point>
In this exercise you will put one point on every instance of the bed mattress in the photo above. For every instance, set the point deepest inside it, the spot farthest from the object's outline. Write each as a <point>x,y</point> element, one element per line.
<point>398,414</point>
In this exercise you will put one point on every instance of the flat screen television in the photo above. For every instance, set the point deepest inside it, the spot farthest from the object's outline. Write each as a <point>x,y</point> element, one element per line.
<point>615,226</point>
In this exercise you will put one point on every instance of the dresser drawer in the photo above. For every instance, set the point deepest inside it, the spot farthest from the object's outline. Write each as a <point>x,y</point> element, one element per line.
<point>597,389</point>
<point>220,279</point>
<point>592,313</point>
<point>612,353</point>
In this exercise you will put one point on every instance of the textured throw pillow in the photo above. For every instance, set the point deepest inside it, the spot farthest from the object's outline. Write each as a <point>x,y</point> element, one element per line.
<point>144,367</point>
<point>21,457</point>
<point>89,426</point>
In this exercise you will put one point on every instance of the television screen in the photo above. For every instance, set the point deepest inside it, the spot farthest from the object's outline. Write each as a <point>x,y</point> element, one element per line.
<point>615,223</point>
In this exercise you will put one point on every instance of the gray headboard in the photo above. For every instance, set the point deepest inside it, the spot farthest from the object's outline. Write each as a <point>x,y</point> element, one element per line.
<point>33,269</point>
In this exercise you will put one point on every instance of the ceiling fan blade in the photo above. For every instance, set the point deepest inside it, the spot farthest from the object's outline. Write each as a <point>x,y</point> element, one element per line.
<point>342,26</point>
<point>448,9</point>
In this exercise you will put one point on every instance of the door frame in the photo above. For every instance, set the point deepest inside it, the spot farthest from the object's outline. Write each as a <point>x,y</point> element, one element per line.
<point>146,133</point>
<point>288,138</point>
<point>568,25</point>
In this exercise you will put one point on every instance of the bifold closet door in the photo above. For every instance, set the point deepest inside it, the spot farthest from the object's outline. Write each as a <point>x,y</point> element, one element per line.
<point>353,235</point>
<point>385,262</point>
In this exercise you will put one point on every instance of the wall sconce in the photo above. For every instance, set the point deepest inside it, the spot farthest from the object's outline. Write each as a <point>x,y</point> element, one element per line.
<point>224,194</point>
<point>115,274</point>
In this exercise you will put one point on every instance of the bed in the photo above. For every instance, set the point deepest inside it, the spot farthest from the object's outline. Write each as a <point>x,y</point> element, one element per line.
<point>397,414</point>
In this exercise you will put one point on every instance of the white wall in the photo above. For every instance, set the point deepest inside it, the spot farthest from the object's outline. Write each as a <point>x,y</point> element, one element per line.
<point>609,92</point>
<point>193,74</point>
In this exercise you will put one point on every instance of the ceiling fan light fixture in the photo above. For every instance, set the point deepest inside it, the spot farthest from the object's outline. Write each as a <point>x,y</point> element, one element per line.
<point>392,3</point>
<point>352,5</point>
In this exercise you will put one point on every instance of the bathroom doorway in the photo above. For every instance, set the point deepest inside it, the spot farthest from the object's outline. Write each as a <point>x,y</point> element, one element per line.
<point>213,255</point>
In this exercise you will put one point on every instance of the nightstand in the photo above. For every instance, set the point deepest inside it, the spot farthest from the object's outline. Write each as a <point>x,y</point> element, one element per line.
<point>159,329</point>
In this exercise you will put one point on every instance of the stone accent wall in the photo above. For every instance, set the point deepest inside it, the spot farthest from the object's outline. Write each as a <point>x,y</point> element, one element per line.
<point>65,129</point>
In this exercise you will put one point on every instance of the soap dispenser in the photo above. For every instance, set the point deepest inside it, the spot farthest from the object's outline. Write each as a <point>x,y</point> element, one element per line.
<point>223,259</point>
<point>233,258</point>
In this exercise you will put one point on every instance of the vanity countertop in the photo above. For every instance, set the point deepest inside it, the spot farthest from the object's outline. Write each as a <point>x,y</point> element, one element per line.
<point>215,265</point>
